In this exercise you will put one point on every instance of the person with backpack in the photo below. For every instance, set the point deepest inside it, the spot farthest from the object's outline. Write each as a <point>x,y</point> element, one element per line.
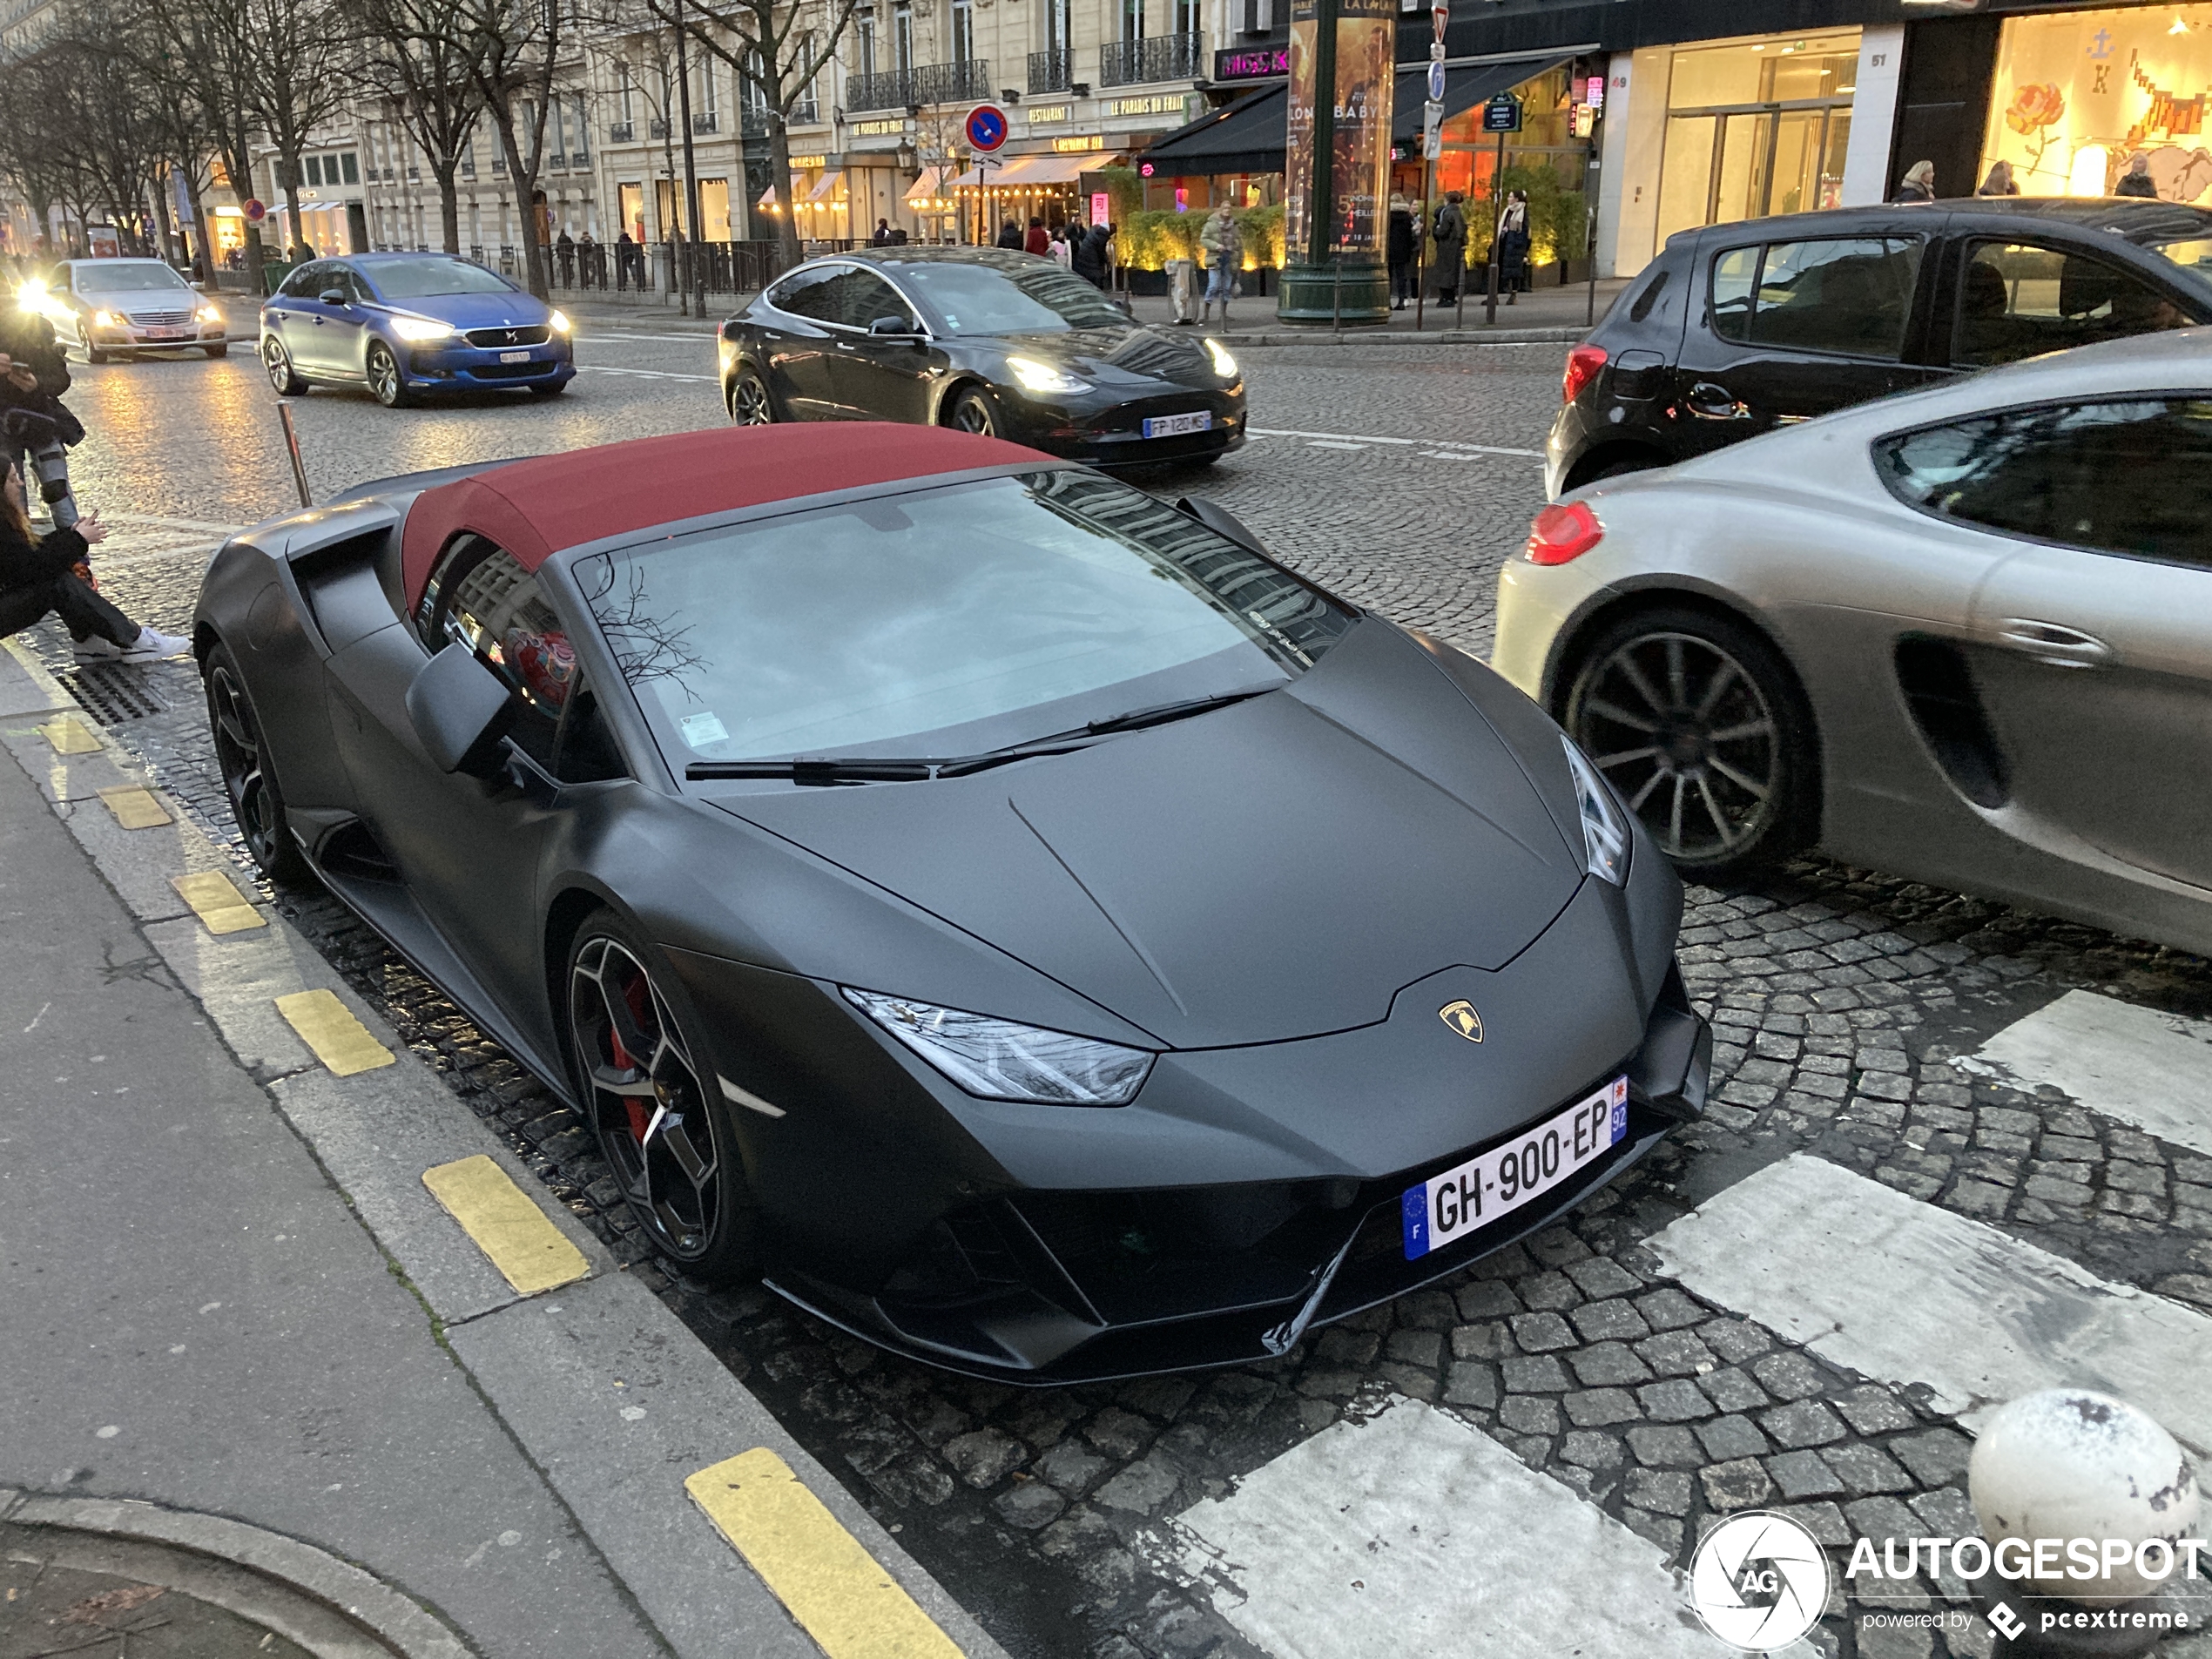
<point>1223,245</point>
<point>1451,234</point>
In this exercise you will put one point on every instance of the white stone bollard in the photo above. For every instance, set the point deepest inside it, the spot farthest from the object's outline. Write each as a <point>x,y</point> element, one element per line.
<point>2067,1464</point>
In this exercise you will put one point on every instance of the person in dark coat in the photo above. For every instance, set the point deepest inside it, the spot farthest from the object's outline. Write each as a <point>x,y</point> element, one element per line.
<point>1919,183</point>
<point>1451,248</point>
<point>1010,236</point>
<point>1039,239</point>
<point>2137,181</point>
<point>1513,245</point>
<point>1400,245</point>
<point>1998,181</point>
<point>881,235</point>
<point>49,577</point>
<point>1087,255</point>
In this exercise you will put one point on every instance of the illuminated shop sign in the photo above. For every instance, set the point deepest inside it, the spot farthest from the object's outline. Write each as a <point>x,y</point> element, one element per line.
<point>1253,64</point>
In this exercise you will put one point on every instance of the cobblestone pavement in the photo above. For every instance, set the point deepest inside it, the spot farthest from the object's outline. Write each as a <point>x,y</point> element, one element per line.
<point>1844,1001</point>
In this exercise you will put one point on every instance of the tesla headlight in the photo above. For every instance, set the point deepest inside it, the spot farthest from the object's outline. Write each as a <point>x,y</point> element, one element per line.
<point>1043,377</point>
<point>1605,824</point>
<point>560,321</point>
<point>1000,1060</point>
<point>1224,364</point>
<point>421,328</point>
<point>105,320</point>
<point>208,314</point>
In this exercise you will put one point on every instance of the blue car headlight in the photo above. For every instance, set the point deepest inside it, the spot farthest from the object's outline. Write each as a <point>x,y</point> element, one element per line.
<point>1000,1060</point>
<point>421,330</point>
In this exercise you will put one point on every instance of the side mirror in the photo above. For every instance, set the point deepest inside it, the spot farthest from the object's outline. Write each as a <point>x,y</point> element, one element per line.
<point>896,327</point>
<point>1222,522</point>
<point>333,297</point>
<point>460,710</point>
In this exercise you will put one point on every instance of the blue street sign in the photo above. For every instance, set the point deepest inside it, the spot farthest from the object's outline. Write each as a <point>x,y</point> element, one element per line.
<point>1436,80</point>
<point>987,127</point>
<point>1501,114</point>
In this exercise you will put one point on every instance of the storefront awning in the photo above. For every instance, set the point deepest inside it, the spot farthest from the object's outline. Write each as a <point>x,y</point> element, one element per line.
<point>1018,171</point>
<point>1249,135</point>
<point>925,188</point>
<point>827,186</point>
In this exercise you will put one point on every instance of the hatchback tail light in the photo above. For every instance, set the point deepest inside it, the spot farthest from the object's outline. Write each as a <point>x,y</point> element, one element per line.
<point>1582,365</point>
<point>1563,531</point>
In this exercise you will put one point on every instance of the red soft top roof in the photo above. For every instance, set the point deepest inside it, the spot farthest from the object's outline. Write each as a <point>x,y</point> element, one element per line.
<point>534,509</point>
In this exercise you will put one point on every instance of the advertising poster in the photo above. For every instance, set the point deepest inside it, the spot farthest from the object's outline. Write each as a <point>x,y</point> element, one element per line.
<point>1366,78</point>
<point>1297,165</point>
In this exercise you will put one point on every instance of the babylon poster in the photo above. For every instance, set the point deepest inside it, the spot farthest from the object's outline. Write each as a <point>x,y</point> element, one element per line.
<point>1359,159</point>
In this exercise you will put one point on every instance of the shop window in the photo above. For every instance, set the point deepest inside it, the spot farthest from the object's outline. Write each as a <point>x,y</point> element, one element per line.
<point>1848,295</point>
<point>2048,473</point>
<point>2018,300</point>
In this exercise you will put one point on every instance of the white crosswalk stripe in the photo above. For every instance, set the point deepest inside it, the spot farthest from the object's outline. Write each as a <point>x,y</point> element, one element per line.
<point>2137,1065</point>
<point>1906,1292</point>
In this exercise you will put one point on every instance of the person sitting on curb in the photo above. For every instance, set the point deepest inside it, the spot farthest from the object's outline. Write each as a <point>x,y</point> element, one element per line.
<point>50,577</point>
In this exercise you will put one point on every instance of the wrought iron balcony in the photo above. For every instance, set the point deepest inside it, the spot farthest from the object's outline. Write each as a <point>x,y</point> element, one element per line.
<point>710,122</point>
<point>1052,72</point>
<point>579,158</point>
<point>1163,57</point>
<point>901,89</point>
<point>622,133</point>
<point>657,128</point>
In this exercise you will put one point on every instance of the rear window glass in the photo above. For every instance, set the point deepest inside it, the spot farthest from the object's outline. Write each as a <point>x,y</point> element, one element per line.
<point>945,621</point>
<point>1848,295</point>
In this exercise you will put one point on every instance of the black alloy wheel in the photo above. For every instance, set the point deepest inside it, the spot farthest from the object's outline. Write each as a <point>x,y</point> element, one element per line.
<point>658,1113</point>
<point>749,402</point>
<point>974,411</point>
<point>385,382</point>
<point>1696,720</point>
<point>256,802</point>
<point>282,375</point>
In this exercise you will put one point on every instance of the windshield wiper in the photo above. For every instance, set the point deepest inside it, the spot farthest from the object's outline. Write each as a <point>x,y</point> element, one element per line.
<point>1161,713</point>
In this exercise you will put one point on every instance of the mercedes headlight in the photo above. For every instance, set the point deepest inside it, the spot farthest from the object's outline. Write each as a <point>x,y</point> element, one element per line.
<point>105,320</point>
<point>208,314</point>
<point>560,322</point>
<point>421,328</point>
<point>1224,364</point>
<point>1043,377</point>
<point>1000,1060</point>
<point>31,296</point>
<point>1605,824</point>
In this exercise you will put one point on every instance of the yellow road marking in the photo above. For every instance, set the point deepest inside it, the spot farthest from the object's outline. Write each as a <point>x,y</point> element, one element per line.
<point>527,1249</point>
<point>340,1041</point>
<point>838,1592</point>
<point>217,901</point>
<point>136,808</point>
<point>70,736</point>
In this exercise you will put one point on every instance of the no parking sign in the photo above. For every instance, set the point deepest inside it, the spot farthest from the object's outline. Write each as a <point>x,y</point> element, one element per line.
<point>987,127</point>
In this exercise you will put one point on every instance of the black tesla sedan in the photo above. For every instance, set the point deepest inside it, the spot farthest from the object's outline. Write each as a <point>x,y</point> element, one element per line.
<point>1004,344</point>
<point>1737,329</point>
<point>1017,917</point>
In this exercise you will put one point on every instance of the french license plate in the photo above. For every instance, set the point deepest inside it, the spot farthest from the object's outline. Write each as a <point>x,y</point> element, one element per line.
<point>514,357</point>
<point>1496,1183</point>
<point>1174,426</point>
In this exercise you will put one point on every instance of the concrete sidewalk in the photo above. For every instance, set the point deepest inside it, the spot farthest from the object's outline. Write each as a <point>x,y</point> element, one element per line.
<point>239,1325</point>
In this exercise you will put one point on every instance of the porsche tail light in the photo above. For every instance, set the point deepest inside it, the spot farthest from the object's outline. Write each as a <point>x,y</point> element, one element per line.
<point>1582,365</point>
<point>1562,531</point>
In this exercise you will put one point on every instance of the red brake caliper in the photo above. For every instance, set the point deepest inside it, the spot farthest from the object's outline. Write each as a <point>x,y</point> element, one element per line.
<point>640,1117</point>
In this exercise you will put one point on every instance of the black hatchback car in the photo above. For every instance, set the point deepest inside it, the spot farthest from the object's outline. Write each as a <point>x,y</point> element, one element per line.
<point>1005,344</point>
<point>1738,328</point>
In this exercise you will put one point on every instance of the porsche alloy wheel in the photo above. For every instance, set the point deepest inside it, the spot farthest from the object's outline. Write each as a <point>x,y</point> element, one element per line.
<point>748,404</point>
<point>384,382</point>
<point>1694,720</point>
<point>658,1126</point>
<point>256,804</point>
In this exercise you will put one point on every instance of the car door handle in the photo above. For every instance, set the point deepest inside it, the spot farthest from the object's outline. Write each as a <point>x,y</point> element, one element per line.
<point>1710,401</point>
<point>2054,643</point>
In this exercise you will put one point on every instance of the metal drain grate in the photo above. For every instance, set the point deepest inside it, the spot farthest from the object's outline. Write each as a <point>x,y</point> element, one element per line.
<point>112,694</point>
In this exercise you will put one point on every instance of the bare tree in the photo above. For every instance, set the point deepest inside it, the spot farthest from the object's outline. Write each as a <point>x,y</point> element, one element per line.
<point>35,109</point>
<point>299,77</point>
<point>210,49</point>
<point>777,47</point>
<point>516,48</point>
<point>110,112</point>
<point>424,60</point>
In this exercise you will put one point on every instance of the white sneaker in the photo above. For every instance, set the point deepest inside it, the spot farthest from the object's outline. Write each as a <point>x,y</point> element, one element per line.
<point>97,648</point>
<point>151,647</point>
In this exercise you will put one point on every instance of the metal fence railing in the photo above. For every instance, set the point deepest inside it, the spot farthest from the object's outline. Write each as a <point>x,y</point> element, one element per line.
<point>1160,58</point>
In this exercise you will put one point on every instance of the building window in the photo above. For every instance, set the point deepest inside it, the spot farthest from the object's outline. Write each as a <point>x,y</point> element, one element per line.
<point>1186,17</point>
<point>350,165</point>
<point>963,31</point>
<point>866,26</point>
<point>1259,17</point>
<point>1132,19</point>
<point>623,91</point>
<point>902,36</point>
<point>707,104</point>
<point>1055,25</point>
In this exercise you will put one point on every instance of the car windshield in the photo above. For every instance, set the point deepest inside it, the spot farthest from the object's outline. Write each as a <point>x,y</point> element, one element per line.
<point>1038,299</point>
<point>2193,256</point>
<point>946,621</point>
<point>126,279</point>
<point>420,279</point>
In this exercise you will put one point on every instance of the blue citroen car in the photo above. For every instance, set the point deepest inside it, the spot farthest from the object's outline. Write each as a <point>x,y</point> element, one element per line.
<point>402,324</point>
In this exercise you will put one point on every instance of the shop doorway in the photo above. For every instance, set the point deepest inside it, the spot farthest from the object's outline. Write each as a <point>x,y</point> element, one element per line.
<point>1732,164</point>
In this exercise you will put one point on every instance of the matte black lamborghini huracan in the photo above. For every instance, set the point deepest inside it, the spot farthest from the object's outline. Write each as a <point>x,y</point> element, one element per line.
<point>1005,344</point>
<point>1033,928</point>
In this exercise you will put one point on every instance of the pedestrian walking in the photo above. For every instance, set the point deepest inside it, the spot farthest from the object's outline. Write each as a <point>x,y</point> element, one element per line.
<point>880,236</point>
<point>1060,249</point>
<point>1918,185</point>
<point>2137,181</point>
<point>1401,245</point>
<point>1451,232</point>
<point>565,256</point>
<point>590,264</point>
<point>1224,249</point>
<point>49,577</point>
<point>1998,181</point>
<point>1513,245</point>
<point>1088,256</point>
<point>1010,236</point>
<point>1038,238</point>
